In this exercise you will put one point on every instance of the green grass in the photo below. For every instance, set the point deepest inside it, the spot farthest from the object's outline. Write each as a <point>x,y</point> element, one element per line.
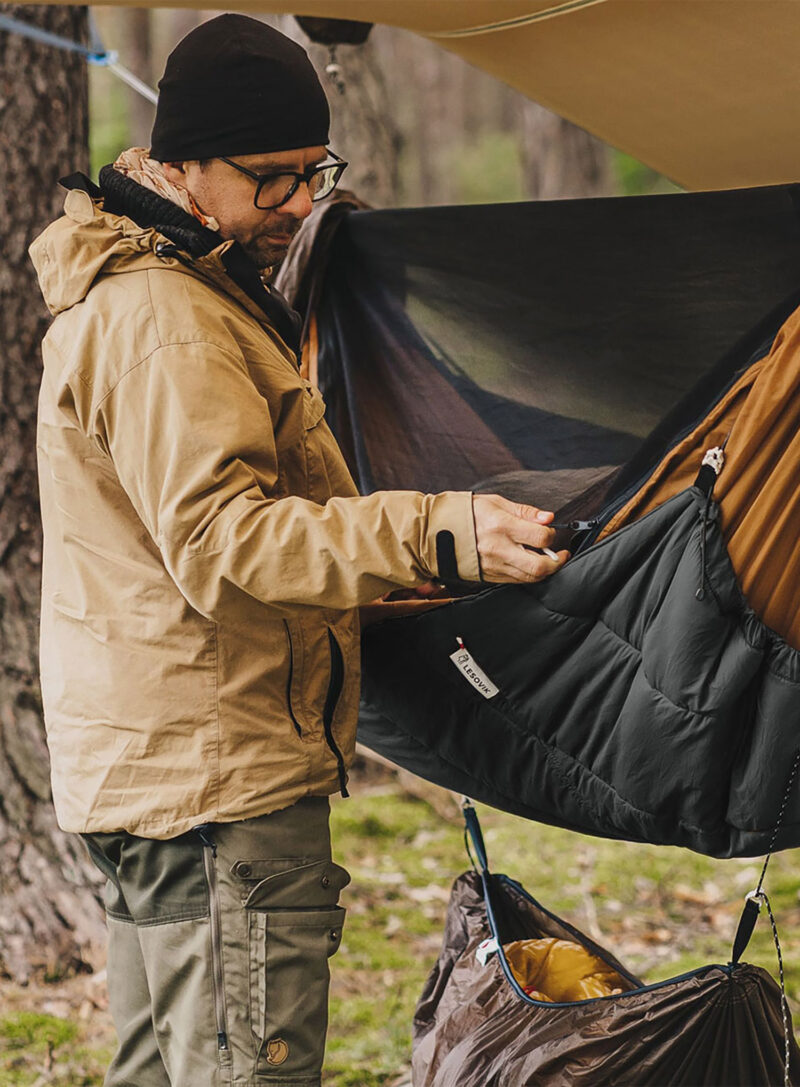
<point>661,911</point>
<point>39,1048</point>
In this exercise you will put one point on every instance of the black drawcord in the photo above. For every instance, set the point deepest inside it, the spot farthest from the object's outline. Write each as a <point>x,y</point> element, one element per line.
<point>701,589</point>
<point>752,908</point>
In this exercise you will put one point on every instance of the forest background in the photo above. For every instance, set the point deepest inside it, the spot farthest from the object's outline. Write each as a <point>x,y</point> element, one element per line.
<point>419,126</point>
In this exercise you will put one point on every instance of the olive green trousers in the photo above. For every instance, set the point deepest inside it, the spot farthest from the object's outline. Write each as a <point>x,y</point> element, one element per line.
<point>218,950</point>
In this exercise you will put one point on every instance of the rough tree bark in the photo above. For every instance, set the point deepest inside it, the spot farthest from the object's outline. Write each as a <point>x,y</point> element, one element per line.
<point>50,919</point>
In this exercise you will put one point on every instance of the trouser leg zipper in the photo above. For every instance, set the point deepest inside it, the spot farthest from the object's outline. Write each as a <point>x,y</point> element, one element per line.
<point>218,988</point>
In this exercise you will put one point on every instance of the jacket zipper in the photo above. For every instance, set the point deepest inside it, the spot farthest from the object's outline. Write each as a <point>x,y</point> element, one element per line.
<point>218,988</point>
<point>295,722</point>
<point>331,701</point>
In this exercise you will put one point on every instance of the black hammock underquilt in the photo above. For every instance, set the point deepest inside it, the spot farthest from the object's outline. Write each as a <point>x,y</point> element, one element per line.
<point>627,705</point>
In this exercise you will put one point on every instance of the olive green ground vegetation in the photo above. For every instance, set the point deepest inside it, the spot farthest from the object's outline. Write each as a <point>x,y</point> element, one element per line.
<point>660,910</point>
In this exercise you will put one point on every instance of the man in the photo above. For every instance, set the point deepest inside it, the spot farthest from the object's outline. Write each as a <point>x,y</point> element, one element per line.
<point>205,555</point>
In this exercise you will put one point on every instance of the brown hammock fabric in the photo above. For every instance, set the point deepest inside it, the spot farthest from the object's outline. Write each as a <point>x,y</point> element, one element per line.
<point>714,1026</point>
<point>758,487</point>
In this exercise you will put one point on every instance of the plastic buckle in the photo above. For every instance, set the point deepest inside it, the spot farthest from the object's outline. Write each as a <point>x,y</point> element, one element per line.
<point>715,458</point>
<point>756,896</point>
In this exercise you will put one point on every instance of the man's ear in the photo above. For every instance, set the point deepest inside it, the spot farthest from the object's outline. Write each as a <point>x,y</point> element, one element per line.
<point>174,171</point>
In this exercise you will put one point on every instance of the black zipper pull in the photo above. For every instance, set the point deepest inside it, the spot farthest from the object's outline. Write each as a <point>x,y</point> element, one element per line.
<point>203,832</point>
<point>334,691</point>
<point>576,526</point>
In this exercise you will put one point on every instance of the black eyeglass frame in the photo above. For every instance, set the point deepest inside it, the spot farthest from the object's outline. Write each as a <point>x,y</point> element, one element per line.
<point>261,179</point>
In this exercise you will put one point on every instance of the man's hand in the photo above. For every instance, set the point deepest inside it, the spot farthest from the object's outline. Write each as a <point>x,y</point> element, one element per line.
<point>505,531</point>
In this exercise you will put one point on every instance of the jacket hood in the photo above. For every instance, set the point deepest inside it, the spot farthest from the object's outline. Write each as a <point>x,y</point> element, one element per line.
<point>84,243</point>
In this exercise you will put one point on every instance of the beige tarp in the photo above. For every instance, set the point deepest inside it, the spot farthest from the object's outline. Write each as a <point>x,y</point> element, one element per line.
<point>705,91</point>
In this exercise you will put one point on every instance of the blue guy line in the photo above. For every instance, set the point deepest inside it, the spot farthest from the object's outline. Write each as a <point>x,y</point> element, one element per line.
<point>96,54</point>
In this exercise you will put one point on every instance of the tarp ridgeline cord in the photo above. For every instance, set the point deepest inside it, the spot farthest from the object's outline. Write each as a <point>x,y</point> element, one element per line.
<point>95,53</point>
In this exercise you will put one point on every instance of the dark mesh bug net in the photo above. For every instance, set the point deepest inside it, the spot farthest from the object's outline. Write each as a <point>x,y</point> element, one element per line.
<point>456,345</point>
<point>554,352</point>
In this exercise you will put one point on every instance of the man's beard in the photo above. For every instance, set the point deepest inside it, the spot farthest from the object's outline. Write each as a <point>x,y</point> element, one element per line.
<point>265,253</point>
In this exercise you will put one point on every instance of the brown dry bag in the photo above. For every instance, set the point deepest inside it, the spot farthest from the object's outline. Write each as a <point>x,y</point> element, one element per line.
<point>475,1027</point>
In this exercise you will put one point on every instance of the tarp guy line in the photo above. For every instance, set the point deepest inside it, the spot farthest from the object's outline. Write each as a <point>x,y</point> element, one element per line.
<point>95,54</point>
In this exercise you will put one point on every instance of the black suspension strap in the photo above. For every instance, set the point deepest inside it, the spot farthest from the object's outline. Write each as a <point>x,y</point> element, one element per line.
<point>473,837</point>
<point>711,467</point>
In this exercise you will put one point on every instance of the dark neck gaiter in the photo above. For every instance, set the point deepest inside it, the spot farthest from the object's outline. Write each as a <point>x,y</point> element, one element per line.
<point>123,196</point>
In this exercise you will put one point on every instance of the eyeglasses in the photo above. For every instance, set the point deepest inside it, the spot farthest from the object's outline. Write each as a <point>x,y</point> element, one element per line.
<point>275,189</point>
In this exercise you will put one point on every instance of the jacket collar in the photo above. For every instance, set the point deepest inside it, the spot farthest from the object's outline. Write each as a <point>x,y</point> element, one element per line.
<point>123,196</point>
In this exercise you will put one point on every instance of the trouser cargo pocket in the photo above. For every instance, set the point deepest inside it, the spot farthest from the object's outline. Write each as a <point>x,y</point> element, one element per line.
<point>294,926</point>
<point>289,989</point>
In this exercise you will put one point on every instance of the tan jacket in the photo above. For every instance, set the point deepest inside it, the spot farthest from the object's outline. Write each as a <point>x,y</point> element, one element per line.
<point>204,548</point>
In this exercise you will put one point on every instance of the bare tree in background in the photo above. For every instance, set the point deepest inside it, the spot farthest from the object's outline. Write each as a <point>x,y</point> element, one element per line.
<point>49,911</point>
<point>136,52</point>
<point>459,120</point>
<point>559,159</point>
<point>364,129</point>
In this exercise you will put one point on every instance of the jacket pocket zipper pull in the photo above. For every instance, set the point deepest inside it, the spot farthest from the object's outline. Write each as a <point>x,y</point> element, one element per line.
<point>334,691</point>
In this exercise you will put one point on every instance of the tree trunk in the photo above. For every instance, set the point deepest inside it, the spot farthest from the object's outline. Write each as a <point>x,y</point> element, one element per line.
<point>363,129</point>
<point>136,38</point>
<point>50,916</point>
<point>362,125</point>
<point>559,159</point>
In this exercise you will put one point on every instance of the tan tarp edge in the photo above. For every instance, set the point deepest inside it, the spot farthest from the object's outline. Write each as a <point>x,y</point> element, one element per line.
<point>705,91</point>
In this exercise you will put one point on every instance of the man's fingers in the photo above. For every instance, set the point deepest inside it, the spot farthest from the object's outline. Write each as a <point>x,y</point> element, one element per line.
<point>529,533</point>
<point>511,539</point>
<point>531,513</point>
<point>515,564</point>
<point>524,525</point>
<point>532,566</point>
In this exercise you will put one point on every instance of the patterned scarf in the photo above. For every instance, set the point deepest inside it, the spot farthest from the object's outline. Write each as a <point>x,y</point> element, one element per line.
<point>136,164</point>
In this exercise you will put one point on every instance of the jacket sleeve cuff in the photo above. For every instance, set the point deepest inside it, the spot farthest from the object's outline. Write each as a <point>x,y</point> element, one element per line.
<point>451,551</point>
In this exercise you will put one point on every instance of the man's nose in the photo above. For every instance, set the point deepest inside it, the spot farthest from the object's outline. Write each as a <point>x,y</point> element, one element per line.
<point>299,204</point>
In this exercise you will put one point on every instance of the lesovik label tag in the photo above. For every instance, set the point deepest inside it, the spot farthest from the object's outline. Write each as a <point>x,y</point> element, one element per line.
<point>462,659</point>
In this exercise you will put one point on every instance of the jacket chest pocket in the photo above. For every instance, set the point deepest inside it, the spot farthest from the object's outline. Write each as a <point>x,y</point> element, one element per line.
<point>317,481</point>
<point>298,462</point>
<point>313,406</point>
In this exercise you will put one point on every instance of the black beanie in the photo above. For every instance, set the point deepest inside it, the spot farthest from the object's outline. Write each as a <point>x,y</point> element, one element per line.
<point>235,86</point>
